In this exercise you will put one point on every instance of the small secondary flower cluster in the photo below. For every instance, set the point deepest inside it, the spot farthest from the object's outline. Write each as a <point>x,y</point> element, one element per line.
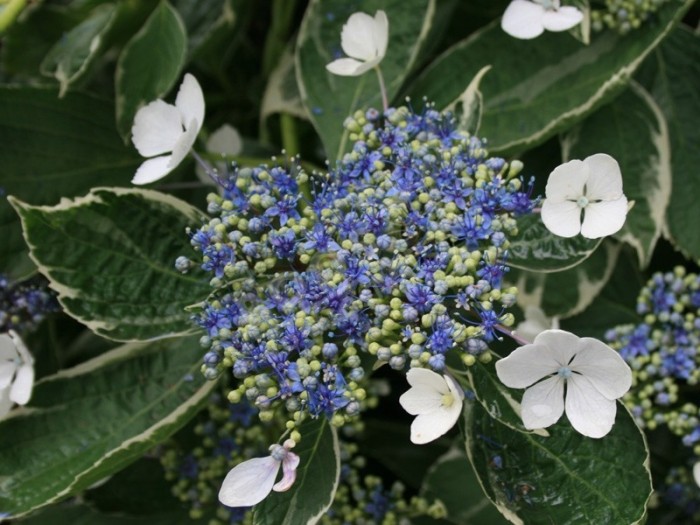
<point>663,353</point>
<point>624,15</point>
<point>24,304</point>
<point>398,253</point>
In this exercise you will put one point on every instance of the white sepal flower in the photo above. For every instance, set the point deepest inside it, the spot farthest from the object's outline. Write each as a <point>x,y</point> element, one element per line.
<point>365,40</point>
<point>593,373</point>
<point>592,187</point>
<point>163,128</point>
<point>16,372</point>
<point>527,19</point>
<point>435,400</point>
<point>250,482</point>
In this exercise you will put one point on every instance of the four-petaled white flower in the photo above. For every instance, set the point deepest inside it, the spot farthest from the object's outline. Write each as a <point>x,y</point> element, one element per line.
<point>592,187</point>
<point>250,482</point>
<point>435,400</point>
<point>163,128</point>
<point>365,40</point>
<point>527,19</point>
<point>593,373</point>
<point>16,372</point>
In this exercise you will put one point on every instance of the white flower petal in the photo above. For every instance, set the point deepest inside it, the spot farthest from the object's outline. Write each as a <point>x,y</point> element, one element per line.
<point>561,218</point>
<point>5,402</point>
<point>543,404</point>
<point>152,170</point>
<point>523,19</point>
<point>156,129</point>
<point>604,218</point>
<point>420,400</point>
<point>603,367</point>
<point>427,378</point>
<point>562,19</point>
<point>454,387</point>
<point>349,67</point>
<point>21,348</point>
<point>289,469</point>
<point>696,473</point>
<point>183,146</point>
<point>21,389</point>
<point>8,348</point>
<point>566,182</point>
<point>225,140</point>
<point>589,411</point>
<point>249,483</point>
<point>604,178</point>
<point>358,37</point>
<point>190,102</point>
<point>428,427</point>
<point>7,372</point>
<point>381,33</point>
<point>527,364</point>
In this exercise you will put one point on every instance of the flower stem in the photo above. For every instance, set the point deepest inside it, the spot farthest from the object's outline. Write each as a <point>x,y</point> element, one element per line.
<point>510,333</point>
<point>207,168</point>
<point>382,88</point>
<point>290,141</point>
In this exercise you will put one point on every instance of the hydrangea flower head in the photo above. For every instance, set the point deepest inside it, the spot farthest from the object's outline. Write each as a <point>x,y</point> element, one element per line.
<point>527,19</point>
<point>592,373</point>
<point>364,39</point>
<point>435,400</point>
<point>249,482</point>
<point>585,196</point>
<point>16,372</point>
<point>165,128</point>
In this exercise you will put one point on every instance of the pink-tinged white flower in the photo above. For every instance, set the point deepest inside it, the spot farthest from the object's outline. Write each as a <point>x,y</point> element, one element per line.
<point>528,19</point>
<point>16,372</point>
<point>435,400</point>
<point>563,372</point>
<point>585,196</point>
<point>364,39</point>
<point>163,128</point>
<point>250,482</point>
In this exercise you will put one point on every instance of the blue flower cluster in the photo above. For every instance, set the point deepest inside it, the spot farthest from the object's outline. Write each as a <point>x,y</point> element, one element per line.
<point>24,304</point>
<point>663,353</point>
<point>396,256</point>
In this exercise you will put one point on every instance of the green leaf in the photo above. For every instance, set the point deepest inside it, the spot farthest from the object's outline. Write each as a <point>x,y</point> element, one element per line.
<point>282,93</point>
<point>90,421</point>
<point>537,249</point>
<point>539,87</point>
<point>71,56</point>
<point>452,480</point>
<point>565,478</point>
<point>205,21</point>
<point>317,480</point>
<point>571,291</point>
<point>330,98</point>
<point>110,256</point>
<point>150,64</point>
<point>633,131</point>
<point>470,104</point>
<point>672,76</point>
<point>53,148</point>
<point>81,514</point>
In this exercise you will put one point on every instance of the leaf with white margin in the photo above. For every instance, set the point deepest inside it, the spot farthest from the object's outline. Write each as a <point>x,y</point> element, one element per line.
<point>535,248</point>
<point>150,63</point>
<point>469,106</point>
<point>633,131</point>
<point>90,421</point>
<point>540,87</point>
<point>591,480</point>
<point>318,475</point>
<point>329,98</point>
<point>282,93</point>
<point>452,480</point>
<point>672,76</point>
<point>69,59</point>
<point>111,257</point>
<point>571,291</point>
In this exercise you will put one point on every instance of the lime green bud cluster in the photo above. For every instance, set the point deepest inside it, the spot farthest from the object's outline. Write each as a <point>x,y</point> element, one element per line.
<point>624,15</point>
